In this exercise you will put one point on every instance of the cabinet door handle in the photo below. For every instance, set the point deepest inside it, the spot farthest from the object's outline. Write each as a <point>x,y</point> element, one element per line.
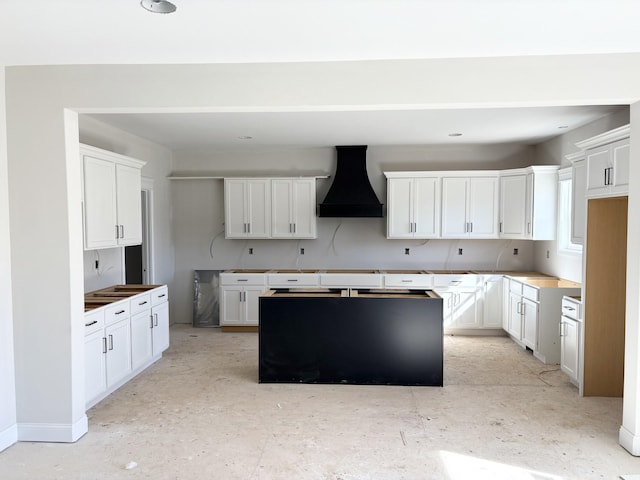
<point>91,323</point>
<point>151,318</point>
<point>248,227</point>
<point>110,342</point>
<point>163,295</point>
<point>104,344</point>
<point>241,296</point>
<point>566,307</point>
<point>407,281</point>
<point>155,322</point>
<point>529,227</point>
<point>120,312</point>
<point>292,279</point>
<point>122,231</point>
<point>294,228</point>
<point>500,227</point>
<point>518,311</point>
<point>471,227</point>
<point>242,280</point>
<point>524,309</point>
<point>117,232</point>
<point>142,303</point>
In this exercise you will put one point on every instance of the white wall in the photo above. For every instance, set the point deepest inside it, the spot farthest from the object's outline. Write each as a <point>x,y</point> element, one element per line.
<point>158,166</point>
<point>347,243</point>
<point>553,152</point>
<point>42,158</point>
<point>8,430</point>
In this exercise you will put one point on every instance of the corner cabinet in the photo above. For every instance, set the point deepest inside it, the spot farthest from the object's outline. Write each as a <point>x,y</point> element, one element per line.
<point>111,186</point>
<point>270,208</point>
<point>470,206</point>
<point>293,213</point>
<point>413,207</point>
<point>528,202</point>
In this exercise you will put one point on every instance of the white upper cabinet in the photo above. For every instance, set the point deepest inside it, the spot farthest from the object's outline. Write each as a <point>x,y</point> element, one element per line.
<point>470,207</point>
<point>293,208</point>
<point>608,169</point>
<point>513,201</point>
<point>247,204</point>
<point>607,163</point>
<point>111,185</point>
<point>413,207</point>
<point>528,203</point>
<point>578,198</point>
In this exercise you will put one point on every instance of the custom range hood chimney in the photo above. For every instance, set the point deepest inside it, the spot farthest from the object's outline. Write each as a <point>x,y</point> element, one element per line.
<point>351,194</point>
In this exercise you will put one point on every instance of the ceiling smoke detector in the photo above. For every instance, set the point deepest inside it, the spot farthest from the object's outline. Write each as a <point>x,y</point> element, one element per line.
<point>158,6</point>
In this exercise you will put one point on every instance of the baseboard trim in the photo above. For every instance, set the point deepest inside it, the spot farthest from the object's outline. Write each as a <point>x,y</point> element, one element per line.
<point>53,432</point>
<point>629,441</point>
<point>8,437</point>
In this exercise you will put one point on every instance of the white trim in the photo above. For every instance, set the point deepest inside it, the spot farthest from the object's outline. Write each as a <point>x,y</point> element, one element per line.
<point>116,157</point>
<point>53,432</point>
<point>8,437</point>
<point>629,441</point>
<point>148,243</point>
<point>576,156</point>
<point>211,176</point>
<point>606,137</point>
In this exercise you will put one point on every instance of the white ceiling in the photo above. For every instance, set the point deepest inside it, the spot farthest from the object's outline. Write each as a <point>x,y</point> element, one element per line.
<point>409,127</point>
<point>36,32</point>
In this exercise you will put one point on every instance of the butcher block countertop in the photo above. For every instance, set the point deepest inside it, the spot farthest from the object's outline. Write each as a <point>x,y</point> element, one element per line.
<point>114,293</point>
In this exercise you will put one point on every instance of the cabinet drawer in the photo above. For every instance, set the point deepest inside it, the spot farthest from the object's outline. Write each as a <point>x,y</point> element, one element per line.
<point>456,280</point>
<point>515,287</point>
<point>140,303</point>
<point>242,279</point>
<point>159,295</point>
<point>532,293</point>
<point>354,280</point>
<point>408,281</point>
<point>116,311</point>
<point>93,321</point>
<point>293,279</point>
<point>571,308</point>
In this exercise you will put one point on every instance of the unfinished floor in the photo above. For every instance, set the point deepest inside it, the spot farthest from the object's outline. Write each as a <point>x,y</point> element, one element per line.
<point>199,413</point>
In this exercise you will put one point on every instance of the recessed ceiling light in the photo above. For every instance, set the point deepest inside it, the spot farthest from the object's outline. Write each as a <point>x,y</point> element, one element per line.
<point>158,6</point>
<point>245,137</point>
<point>455,134</point>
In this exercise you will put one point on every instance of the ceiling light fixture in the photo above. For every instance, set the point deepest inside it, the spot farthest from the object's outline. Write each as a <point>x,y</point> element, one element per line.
<point>455,134</point>
<point>158,6</point>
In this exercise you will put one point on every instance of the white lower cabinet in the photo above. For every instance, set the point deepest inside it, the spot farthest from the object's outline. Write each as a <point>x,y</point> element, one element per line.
<point>492,302</point>
<point>570,347</point>
<point>462,297</point>
<point>529,310</point>
<point>123,338</point>
<point>240,298</point>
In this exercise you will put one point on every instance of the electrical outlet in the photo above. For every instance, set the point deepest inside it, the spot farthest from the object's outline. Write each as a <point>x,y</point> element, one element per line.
<point>406,251</point>
<point>515,251</point>
<point>250,250</point>
<point>302,251</point>
<point>459,251</point>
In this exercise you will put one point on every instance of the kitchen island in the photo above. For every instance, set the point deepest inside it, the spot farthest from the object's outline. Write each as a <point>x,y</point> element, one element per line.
<point>353,336</point>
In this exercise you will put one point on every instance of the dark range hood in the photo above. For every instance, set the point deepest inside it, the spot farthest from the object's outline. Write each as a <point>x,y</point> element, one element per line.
<point>351,194</point>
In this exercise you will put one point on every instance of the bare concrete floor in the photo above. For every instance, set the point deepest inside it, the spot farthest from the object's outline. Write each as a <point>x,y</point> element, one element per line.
<point>199,413</point>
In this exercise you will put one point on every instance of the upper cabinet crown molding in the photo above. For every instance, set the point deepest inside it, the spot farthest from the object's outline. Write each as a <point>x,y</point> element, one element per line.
<point>222,176</point>
<point>611,136</point>
<point>114,157</point>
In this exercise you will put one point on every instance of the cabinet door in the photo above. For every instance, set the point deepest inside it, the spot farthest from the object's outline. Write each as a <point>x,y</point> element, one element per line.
<point>231,305</point>
<point>467,303</point>
<point>304,208</point>
<point>258,208</point>
<point>529,323</point>
<point>118,351</point>
<point>160,330</point>
<point>506,305</point>
<point>454,208</point>
<point>492,315</point>
<point>569,347</point>
<point>598,161</point>
<point>141,346</point>
<point>426,207</point>
<point>99,184</point>
<point>529,203</point>
<point>513,206</point>
<point>483,207</point>
<point>399,208</point>
<point>578,201</point>
<point>95,380</point>
<point>282,205</point>
<point>129,188</point>
<point>235,222</point>
<point>448,299</point>
<point>252,305</point>
<point>620,162</point>
<point>515,317</point>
